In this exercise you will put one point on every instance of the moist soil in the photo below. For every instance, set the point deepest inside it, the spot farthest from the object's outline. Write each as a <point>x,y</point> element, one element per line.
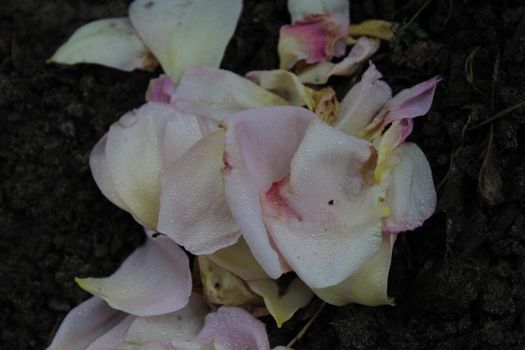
<point>458,281</point>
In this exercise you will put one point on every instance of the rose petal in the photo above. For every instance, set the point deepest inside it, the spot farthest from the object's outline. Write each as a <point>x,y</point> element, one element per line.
<point>326,219</point>
<point>153,280</point>
<point>181,325</point>
<point>368,285</point>
<point>160,89</point>
<point>114,337</point>
<point>407,104</point>
<point>362,102</point>
<point>259,145</point>
<point>218,93</point>
<point>410,193</point>
<point>391,139</point>
<point>318,32</point>
<point>360,53</point>
<point>193,209</point>
<point>182,33</point>
<point>235,329</point>
<point>111,42</point>
<point>126,163</point>
<point>284,84</point>
<point>282,306</point>
<point>85,324</point>
<point>373,28</point>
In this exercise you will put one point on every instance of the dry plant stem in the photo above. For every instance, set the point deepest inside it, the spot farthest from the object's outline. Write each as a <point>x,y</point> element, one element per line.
<point>306,326</point>
<point>498,115</point>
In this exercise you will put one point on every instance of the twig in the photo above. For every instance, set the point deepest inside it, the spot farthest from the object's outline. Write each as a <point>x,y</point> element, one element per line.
<point>498,115</point>
<point>306,326</point>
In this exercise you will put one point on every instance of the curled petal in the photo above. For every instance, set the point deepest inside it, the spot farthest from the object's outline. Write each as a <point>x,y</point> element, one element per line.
<point>182,33</point>
<point>325,218</point>
<point>85,324</point>
<point>235,329</point>
<point>368,285</point>
<point>218,93</point>
<point>153,280</point>
<point>391,139</point>
<point>110,42</point>
<point>160,89</point>
<point>362,102</point>
<point>410,190</point>
<point>193,209</point>
<point>282,306</point>
<point>318,32</point>
<point>284,84</point>
<point>259,146</point>
<point>127,161</point>
<point>319,73</point>
<point>407,104</point>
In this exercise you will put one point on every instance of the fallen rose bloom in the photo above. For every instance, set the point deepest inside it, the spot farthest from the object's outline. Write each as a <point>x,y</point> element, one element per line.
<point>93,325</point>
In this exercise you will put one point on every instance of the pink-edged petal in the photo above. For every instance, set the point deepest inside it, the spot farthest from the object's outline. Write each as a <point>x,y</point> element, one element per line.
<point>326,218</point>
<point>218,93</point>
<point>182,33</point>
<point>368,285</point>
<point>193,208</point>
<point>160,89</point>
<point>235,329</point>
<point>317,33</point>
<point>85,324</point>
<point>410,194</point>
<point>181,325</point>
<point>362,102</point>
<point>413,102</point>
<point>320,73</point>
<point>393,137</point>
<point>153,280</point>
<point>284,84</point>
<point>114,337</point>
<point>259,146</point>
<point>110,42</point>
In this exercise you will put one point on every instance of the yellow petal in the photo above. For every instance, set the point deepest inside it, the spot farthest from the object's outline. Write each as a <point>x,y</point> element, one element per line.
<point>374,28</point>
<point>282,306</point>
<point>325,104</point>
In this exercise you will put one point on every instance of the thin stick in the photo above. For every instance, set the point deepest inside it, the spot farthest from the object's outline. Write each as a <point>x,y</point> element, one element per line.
<point>499,115</point>
<point>306,326</point>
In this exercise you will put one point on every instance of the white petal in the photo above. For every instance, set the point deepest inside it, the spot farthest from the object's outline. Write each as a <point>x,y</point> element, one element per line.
<point>320,72</point>
<point>218,93</point>
<point>111,42</point>
<point>193,209</point>
<point>259,145</point>
<point>153,280</point>
<point>181,325</point>
<point>182,33</point>
<point>410,193</point>
<point>326,219</point>
<point>114,337</point>
<point>85,324</point>
<point>368,285</point>
<point>362,102</point>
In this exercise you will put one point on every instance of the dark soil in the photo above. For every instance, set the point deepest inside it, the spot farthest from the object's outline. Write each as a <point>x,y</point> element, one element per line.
<point>459,281</point>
